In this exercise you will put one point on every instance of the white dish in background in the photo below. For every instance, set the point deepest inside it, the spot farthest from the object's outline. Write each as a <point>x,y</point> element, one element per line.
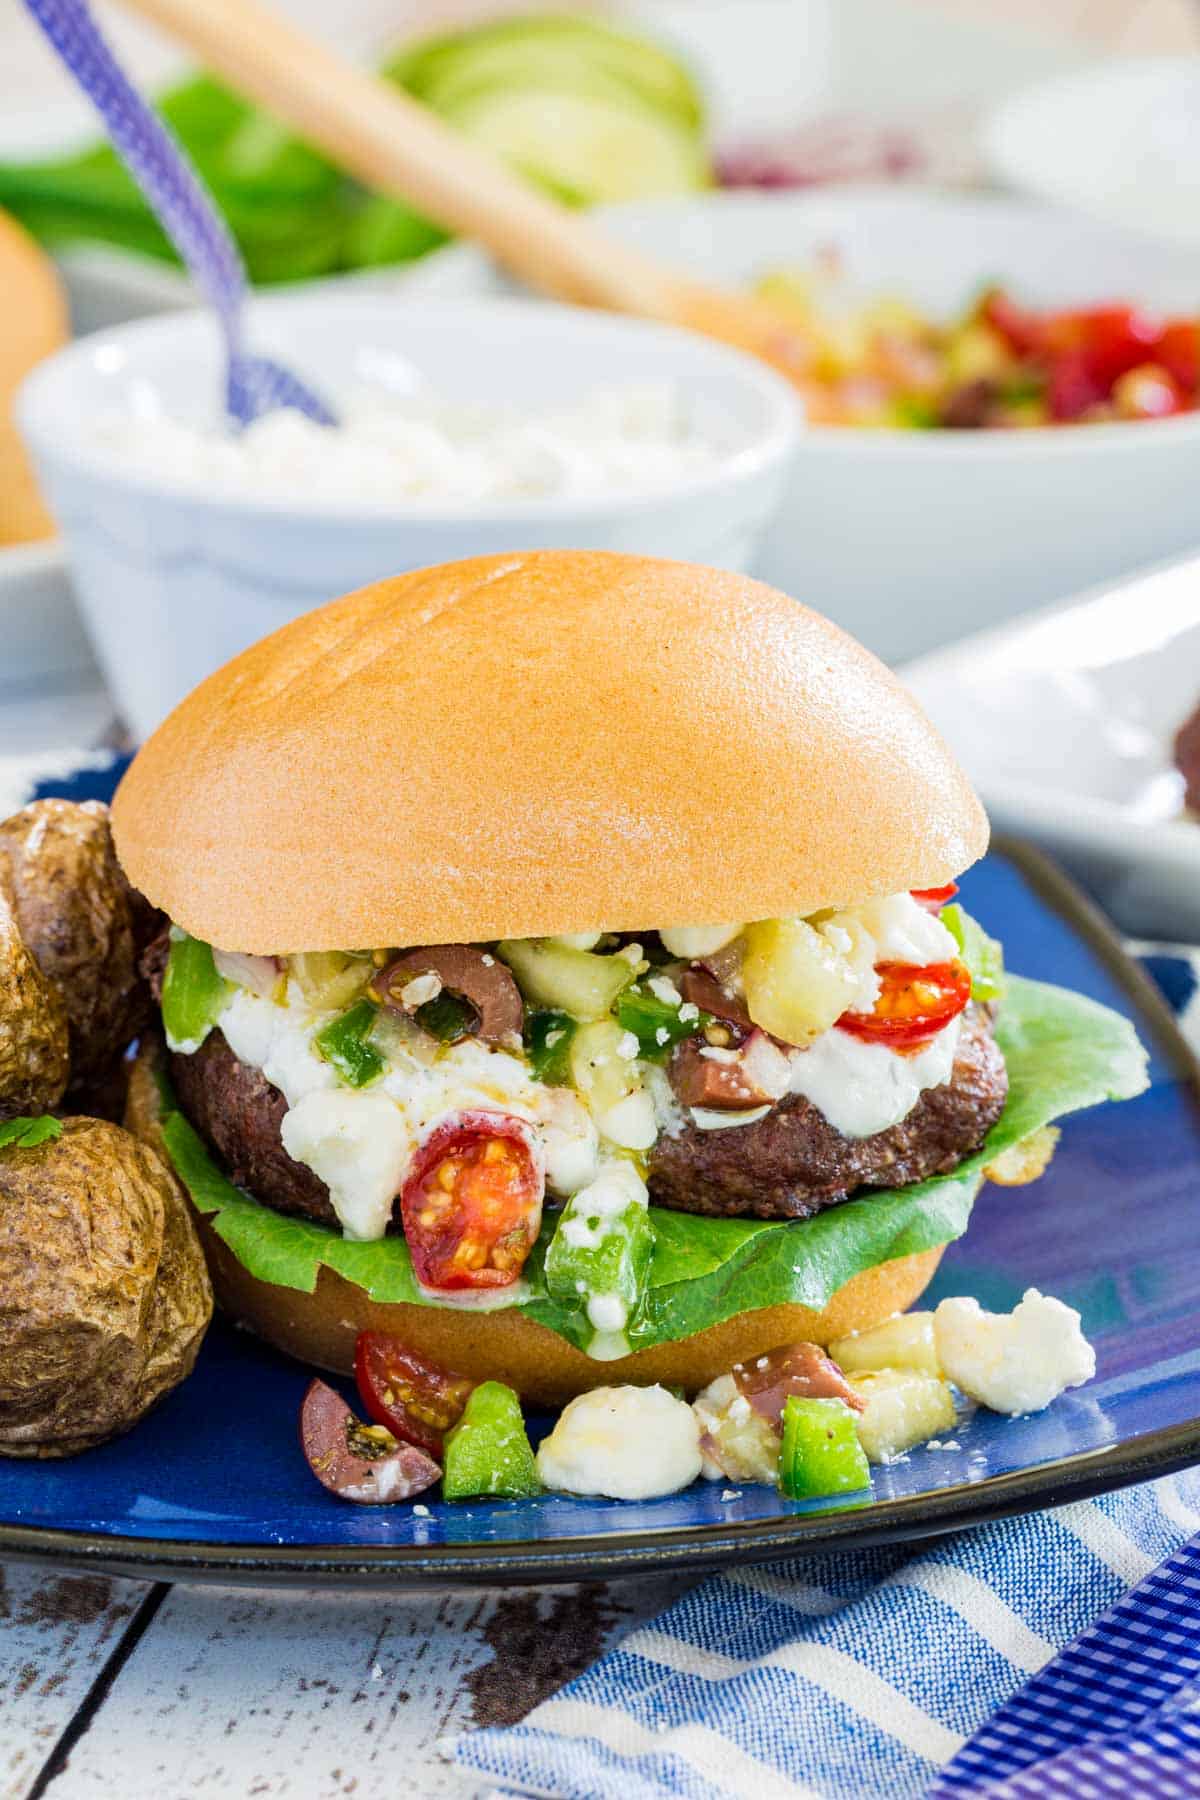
<point>40,628</point>
<point>1065,722</point>
<point>911,538</point>
<point>174,579</point>
<point>1120,141</point>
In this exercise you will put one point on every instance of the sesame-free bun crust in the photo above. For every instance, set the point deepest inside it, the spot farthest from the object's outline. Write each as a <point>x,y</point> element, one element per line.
<point>521,745</point>
<point>321,1328</point>
<point>35,323</point>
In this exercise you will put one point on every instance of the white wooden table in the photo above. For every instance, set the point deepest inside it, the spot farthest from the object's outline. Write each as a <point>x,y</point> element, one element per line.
<point>131,1690</point>
<point>123,1690</point>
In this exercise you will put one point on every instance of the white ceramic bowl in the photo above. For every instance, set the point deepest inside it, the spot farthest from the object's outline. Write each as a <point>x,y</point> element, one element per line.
<point>1065,721</point>
<point>1120,141</point>
<point>174,579</point>
<point>911,538</point>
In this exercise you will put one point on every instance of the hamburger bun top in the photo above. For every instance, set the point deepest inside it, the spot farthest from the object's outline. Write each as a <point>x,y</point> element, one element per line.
<point>35,323</point>
<point>541,743</point>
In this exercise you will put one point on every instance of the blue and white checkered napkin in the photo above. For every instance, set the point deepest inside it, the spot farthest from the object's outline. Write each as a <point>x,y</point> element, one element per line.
<point>934,1669</point>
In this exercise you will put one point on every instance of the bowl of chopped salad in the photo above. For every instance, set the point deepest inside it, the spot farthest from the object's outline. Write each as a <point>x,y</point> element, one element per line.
<point>1000,399</point>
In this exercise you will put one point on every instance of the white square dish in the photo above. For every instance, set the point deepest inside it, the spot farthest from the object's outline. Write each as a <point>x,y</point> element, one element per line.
<point>1065,720</point>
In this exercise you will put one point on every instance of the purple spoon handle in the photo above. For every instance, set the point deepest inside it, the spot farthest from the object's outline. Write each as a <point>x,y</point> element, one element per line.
<point>183,205</point>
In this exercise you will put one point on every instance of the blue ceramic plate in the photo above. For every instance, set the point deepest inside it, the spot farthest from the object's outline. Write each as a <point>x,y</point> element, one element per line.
<point>213,1485</point>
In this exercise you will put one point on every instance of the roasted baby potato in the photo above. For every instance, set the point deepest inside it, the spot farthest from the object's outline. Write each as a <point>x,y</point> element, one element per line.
<point>34,1032</point>
<point>104,1295</point>
<point>83,924</point>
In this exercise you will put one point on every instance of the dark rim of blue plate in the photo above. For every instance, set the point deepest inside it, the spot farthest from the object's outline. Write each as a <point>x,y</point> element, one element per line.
<point>690,1547</point>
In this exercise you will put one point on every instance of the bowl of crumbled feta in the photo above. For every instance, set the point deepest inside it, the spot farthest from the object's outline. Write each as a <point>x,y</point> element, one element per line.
<point>463,428</point>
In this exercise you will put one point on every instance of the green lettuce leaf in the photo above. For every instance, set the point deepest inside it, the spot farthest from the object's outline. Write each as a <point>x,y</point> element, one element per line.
<point>1063,1052</point>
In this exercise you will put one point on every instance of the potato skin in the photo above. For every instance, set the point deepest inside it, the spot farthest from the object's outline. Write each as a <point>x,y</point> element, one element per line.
<point>104,1294</point>
<point>83,924</point>
<point>34,1063</point>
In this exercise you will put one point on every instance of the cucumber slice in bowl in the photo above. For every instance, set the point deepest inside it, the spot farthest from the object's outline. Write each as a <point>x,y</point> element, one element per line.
<point>588,143</point>
<point>544,51</point>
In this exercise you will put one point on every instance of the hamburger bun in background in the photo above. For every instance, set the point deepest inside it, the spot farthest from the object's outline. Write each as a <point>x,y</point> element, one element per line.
<point>34,324</point>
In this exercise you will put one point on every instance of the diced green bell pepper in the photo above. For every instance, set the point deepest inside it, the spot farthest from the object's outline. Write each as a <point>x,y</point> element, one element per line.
<point>344,1043</point>
<point>594,1255</point>
<point>820,1453</point>
<point>655,1023</point>
<point>982,955</point>
<point>193,994</point>
<point>548,1037</point>
<point>488,1452</point>
<point>448,1018</point>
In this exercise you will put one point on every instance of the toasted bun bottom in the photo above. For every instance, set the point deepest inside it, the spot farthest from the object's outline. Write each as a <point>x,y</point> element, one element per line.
<point>321,1328</point>
<point>545,1370</point>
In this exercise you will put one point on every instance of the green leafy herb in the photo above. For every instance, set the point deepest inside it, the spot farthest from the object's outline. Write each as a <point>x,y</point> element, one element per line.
<point>981,953</point>
<point>548,1035</point>
<point>193,994</point>
<point>344,1043</point>
<point>1063,1052</point>
<point>27,1134</point>
<point>655,1023</point>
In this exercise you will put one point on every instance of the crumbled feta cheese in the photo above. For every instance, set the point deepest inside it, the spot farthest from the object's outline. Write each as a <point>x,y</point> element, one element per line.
<point>662,1035</point>
<point>1014,1362</point>
<point>628,1046</point>
<point>712,1118</point>
<point>623,439</point>
<point>691,941</point>
<point>359,1145</point>
<point>627,1443</point>
<point>664,989</point>
<point>689,1012</point>
<point>420,990</point>
<point>736,1443</point>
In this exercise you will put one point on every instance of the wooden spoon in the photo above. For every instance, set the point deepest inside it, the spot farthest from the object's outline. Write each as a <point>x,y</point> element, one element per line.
<point>389,141</point>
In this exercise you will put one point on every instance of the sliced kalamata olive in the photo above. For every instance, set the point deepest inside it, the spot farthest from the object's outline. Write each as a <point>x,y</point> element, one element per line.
<point>969,407</point>
<point>481,980</point>
<point>754,1073</point>
<point>800,1369</point>
<point>713,995</point>
<point>358,1462</point>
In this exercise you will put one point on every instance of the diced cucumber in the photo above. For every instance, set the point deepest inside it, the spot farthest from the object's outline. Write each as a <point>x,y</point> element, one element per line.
<point>905,1342</point>
<point>598,146</point>
<point>572,981</point>
<point>904,1407</point>
<point>546,48</point>
<point>611,1085</point>
<point>330,979</point>
<point>796,983</point>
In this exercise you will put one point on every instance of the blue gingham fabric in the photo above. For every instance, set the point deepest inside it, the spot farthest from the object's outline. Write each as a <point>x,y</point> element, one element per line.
<point>1052,1657</point>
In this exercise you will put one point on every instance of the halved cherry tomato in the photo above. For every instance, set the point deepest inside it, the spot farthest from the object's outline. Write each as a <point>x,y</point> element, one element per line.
<point>933,899</point>
<point>1178,351</point>
<point>915,1003</point>
<point>359,1462</point>
<point>1110,339</point>
<point>417,1400</point>
<point>472,1204</point>
<point>1074,387</point>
